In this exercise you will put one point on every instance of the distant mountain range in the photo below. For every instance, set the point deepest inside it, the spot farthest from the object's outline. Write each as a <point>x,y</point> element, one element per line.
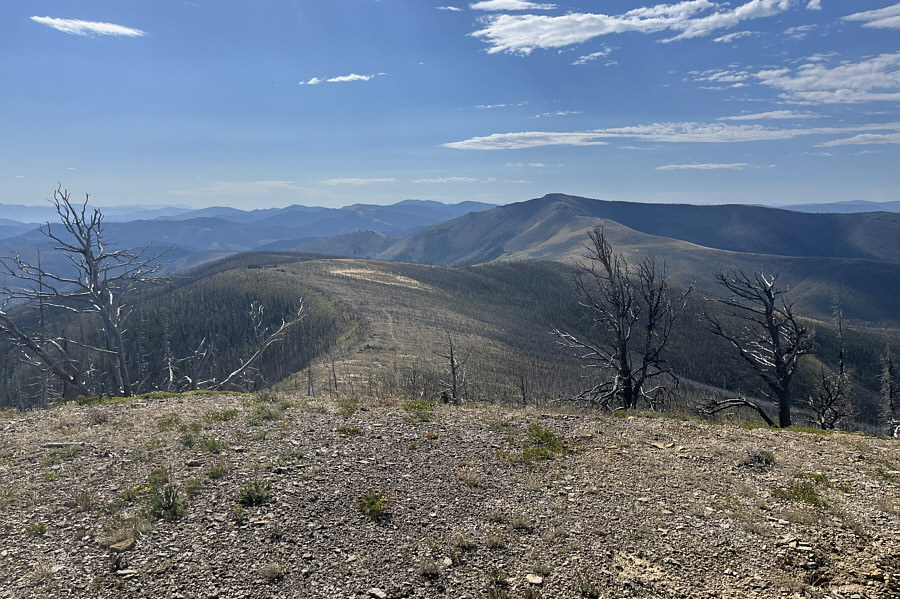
<point>855,256</point>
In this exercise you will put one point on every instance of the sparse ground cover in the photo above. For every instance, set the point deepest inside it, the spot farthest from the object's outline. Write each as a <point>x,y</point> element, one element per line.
<point>470,502</point>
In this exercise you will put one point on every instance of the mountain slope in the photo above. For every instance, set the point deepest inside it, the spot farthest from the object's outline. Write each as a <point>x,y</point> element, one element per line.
<point>854,257</point>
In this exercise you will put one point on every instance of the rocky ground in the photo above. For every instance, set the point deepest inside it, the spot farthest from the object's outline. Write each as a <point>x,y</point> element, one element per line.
<point>274,496</point>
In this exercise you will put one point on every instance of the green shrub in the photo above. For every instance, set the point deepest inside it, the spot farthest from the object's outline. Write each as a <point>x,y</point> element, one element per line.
<point>169,422</point>
<point>255,492</point>
<point>218,471</point>
<point>799,491</point>
<point>167,505</point>
<point>213,445</point>
<point>375,505</point>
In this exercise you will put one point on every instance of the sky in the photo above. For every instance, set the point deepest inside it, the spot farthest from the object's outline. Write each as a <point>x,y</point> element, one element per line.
<point>331,103</point>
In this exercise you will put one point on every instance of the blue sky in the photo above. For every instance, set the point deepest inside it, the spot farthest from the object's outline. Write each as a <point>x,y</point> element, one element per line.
<point>259,104</point>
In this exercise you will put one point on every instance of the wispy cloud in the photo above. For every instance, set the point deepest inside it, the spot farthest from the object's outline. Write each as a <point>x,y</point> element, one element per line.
<point>873,79</point>
<point>593,57</point>
<point>528,139</point>
<point>447,180</point>
<point>733,166</point>
<point>689,132</point>
<point>78,27</point>
<point>492,106</point>
<point>450,8</point>
<point>814,5</point>
<point>521,34</point>
<point>349,78</point>
<point>528,164</point>
<point>771,115</point>
<point>544,115</point>
<point>882,18</point>
<point>730,37</point>
<point>339,79</point>
<point>359,181</point>
<point>863,139</point>
<point>496,5</point>
<point>239,188</point>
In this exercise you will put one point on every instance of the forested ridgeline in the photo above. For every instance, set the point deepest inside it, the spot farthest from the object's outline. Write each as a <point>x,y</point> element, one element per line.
<point>388,329</point>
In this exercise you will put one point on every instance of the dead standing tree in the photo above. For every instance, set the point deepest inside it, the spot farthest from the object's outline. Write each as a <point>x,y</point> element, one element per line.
<point>100,284</point>
<point>832,402</point>
<point>633,316</point>
<point>766,334</point>
<point>456,373</point>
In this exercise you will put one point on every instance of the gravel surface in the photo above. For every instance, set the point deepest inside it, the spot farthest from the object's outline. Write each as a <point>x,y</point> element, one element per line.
<point>464,502</point>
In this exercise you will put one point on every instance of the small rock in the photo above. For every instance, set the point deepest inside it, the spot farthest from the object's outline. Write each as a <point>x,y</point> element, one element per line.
<point>377,593</point>
<point>122,546</point>
<point>194,464</point>
<point>534,579</point>
<point>447,562</point>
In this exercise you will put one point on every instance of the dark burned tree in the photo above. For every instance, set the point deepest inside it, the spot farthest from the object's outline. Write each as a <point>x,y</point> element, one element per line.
<point>758,321</point>
<point>632,313</point>
<point>100,282</point>
<point>832,401</point>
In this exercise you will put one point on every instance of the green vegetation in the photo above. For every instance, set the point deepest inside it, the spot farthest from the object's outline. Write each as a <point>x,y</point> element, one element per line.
<point>221,416</point>
<point>799,492</point>
<point>218,471</point>
<point>38,529</point>
<point>255,492</point>
<point>168,504</point>
<point>419,411</point>
<point>350,431</point>
<point>214,445</point>
<point>347,407</point>
<point>375,505</point>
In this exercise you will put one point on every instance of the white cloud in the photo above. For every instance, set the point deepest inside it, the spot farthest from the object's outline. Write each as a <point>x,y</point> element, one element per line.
<point>358,181</point>
<point>349,78</point>
<point>544,115</point>
<point>730,37</point>
<point>873,79</point>
<point>593,56</point>
<point>772,115</point>
<point>529,164</point>
<point>494,5</point>
<point>527,139</point>
<point>734,166</point>
<point>447,180</point>
<point>657,132</point>
<point>492,106</point>
<point>77,27</point>
<point>520,34</point>
<point>882,18</point>
<point>863,139</point>
<point>450,8</point>
<point>814,5</point>
<point>240,188</point>
<point>340,79</point>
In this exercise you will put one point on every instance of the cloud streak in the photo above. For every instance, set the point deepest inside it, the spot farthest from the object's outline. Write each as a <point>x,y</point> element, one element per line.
<point>352,77</point>
<point>521,34</point>
<point>657,132</point>
<point>217,188</point>
<point>874,79</point>
<point>447,180</point>
<point>359,181</point>
<point>882,18</point>
<point>734,166</point>
<point>78,27</point>
<point>496,5</point>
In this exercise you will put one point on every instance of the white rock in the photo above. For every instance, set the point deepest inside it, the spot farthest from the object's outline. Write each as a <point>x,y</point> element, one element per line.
<point>534,579</point>
<point>377,593</point>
